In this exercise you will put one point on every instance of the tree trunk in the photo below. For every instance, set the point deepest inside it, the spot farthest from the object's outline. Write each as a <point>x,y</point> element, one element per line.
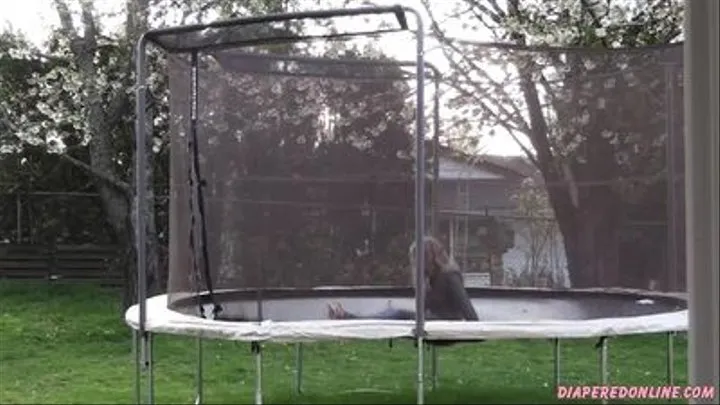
<point>591,246</point>
<point>588,219</point>
<point>103,117</point>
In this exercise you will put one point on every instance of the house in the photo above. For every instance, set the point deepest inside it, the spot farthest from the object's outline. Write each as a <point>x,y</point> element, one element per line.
<point>476,216</point>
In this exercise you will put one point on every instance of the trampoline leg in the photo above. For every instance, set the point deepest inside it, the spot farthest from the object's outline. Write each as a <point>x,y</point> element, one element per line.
<point>420,371</point>
<point>257,351</point>
<point>603,345</point>
<point>298,368</point>
<point>149,364</point>
<point>138,366</point>
<point>433,367</point>
<point>199,373</point>
<point>556,361</point>
<point>671,358</point>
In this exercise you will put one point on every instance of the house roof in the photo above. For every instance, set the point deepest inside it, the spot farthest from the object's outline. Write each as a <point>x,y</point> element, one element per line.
<point>517,164</point>
<point>496,167</point>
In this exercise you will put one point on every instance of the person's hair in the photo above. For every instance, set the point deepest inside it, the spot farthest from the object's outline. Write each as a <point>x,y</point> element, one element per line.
<point>437,259</point>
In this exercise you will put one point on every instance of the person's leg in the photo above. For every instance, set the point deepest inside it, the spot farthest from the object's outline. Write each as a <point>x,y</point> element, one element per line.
<point>336,311</point>
<point>394,313</point>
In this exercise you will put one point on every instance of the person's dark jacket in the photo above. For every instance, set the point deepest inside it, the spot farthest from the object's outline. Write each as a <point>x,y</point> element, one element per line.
<point>447,299</point>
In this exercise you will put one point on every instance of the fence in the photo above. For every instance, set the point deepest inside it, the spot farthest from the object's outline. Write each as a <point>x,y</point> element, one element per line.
<point>58,237</point>
<point>524,248</point>
<point>46,218</point>
<point>60,263</point>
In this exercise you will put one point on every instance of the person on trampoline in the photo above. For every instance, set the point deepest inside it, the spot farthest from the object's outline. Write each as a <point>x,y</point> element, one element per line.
<point>445,295</point>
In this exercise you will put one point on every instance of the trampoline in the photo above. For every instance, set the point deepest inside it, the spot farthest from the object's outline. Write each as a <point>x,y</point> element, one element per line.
<point>295,315</point>
<point>298,316</point>
<point>298,179</point>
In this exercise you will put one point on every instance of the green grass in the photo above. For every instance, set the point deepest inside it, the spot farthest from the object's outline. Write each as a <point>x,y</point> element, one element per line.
<point>69,344</point>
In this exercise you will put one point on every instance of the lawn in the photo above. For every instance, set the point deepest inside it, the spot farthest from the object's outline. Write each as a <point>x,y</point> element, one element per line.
<point>69,344</point>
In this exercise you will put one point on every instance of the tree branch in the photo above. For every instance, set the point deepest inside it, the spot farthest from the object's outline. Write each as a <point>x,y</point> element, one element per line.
<point>65,19</point>
<point>538,125</point>
<point>498,88</point>
<point>595,20</point>
<point>90,31</point>
<point>120,185</point>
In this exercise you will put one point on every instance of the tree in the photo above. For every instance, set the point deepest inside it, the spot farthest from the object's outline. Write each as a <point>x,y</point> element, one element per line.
<point>80,109</point>
<point>47,217</point>
<point>85,100</point>
<point>592,157</point>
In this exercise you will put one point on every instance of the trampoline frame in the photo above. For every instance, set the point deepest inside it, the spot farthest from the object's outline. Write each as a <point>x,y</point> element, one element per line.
<point>603,334</point>
<point>143,340</point>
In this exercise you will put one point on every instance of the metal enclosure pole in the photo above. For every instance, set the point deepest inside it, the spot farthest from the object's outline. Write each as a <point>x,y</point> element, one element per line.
<point>419,203</point>
<point>140,199</point>
<point>141,151</point>
<point>701,191</point>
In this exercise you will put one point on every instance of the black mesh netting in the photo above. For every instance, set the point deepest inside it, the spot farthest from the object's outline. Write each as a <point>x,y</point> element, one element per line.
<point>606,132</point>
<point>308,168</point>
<point>308,171</point>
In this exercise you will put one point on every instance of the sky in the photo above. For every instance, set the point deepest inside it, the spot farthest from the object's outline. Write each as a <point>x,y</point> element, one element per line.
<point>35,17</point>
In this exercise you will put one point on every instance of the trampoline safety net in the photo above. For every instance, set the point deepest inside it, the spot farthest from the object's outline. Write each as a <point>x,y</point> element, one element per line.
<point>306,165</point>
<point>601,205</point>
<point>306,158</point>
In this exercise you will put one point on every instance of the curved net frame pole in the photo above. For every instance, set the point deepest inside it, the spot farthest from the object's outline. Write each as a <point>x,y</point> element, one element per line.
<point>419,203</point>
<point>179,39</point>
<point>143,344</point>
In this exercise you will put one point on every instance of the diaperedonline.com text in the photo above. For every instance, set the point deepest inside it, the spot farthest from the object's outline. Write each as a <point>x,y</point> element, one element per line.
<point>636,392</point>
